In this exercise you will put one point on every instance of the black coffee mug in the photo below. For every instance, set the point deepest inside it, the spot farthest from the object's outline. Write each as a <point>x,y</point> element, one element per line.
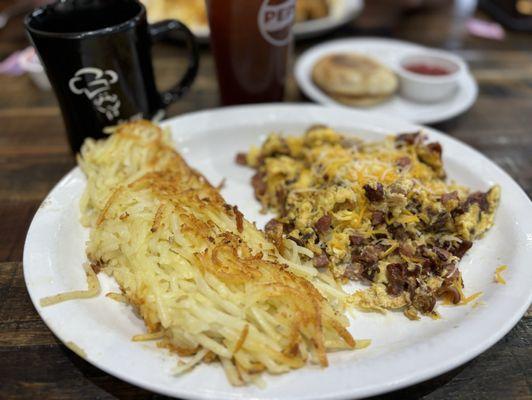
<point>97,55</point>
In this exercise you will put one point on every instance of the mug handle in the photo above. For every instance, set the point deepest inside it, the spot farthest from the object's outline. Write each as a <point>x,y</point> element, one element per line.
<point>159,31</point>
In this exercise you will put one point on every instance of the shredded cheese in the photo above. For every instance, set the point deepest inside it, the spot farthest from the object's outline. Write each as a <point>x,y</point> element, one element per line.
<point>471,298</point>
<point>498,275</point>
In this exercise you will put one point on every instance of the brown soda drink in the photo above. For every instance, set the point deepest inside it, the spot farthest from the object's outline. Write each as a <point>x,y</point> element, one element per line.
<point>251,40</point>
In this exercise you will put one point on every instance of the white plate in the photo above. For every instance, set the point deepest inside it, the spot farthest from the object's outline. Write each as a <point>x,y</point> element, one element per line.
<point>341,12</point>
<point>402,353</point>
<point>388,52</point>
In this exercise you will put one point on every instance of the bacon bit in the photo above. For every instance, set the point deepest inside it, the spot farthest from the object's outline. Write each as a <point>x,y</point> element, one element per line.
<point>368,256</point>
<point>323,224</point>
<point>407,250</point>
<point>377,218</point>
<point>97,266</point>
<point>403,162</point>
<point>273,226</point>
<point>439,222</point>
<point>479,198</point>
<point>375,194</point>
<point>435,147</point>
<point>398,233</point>
<point>280,195</point>
<point>442,254</point>
<point>356,240</point>
<point>241,159</point>
<point>498,277</point>
<point>448,197</point>
<point>450,272</point>
<point>239,219</point>
<point>320,261</point>
<point>408,138</point>
<point>424,302</point>
<point>257,181</point>
<point>124,215</point>
<point>462,248</point>
<point>395,273</point>
<point>354,271</point>
<point>241,339</point>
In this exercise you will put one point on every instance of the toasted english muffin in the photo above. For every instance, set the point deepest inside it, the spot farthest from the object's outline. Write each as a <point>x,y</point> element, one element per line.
<point>354,75</point>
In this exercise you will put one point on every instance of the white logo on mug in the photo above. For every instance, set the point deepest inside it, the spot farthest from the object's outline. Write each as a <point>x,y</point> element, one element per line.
<point>95,84</point>
<point>275,20</point>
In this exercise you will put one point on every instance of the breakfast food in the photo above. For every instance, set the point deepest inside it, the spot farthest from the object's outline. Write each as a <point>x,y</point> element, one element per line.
<point>191,12</point>
<point>207,283</point>
<point>307,10</point>
<point>354,79</point>
<point>377,212</point>
<point>497,277</point>
<point>194,14</point>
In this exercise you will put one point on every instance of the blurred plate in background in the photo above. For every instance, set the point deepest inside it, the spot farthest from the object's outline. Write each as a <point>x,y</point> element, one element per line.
<point>340,13</point>
<point>192,13</point>
<point>387,52</point>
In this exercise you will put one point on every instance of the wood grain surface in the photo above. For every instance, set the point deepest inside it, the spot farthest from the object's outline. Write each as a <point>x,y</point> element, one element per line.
<point>34,156</point>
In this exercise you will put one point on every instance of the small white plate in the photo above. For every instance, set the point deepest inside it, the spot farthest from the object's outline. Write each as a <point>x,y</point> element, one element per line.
<point>402,352</point>
<point>341,12</point>
<point>388,52</point>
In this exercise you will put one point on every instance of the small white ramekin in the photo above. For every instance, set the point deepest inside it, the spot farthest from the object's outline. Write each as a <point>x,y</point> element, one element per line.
<point>430,88</point>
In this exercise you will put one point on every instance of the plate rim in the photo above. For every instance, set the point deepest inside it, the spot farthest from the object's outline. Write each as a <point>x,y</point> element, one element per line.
<point>320,26</point>
<point>313,92</point>
<point>313,28</point>
<point>415,378</point>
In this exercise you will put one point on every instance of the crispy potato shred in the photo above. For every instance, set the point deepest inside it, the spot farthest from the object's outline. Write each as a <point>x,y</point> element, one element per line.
<point>377,212</point>
<point>497,278</point>
<point>92,291</point>
<point>207,283</point>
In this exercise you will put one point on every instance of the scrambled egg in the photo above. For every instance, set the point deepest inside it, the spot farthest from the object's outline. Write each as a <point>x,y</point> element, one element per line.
<point>380,212</point>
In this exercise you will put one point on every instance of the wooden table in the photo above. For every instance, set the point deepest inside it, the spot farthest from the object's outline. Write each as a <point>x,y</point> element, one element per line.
<point>34,156</point>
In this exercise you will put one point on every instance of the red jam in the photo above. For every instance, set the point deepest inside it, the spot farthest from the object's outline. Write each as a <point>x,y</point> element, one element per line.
<point>425,69</point>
